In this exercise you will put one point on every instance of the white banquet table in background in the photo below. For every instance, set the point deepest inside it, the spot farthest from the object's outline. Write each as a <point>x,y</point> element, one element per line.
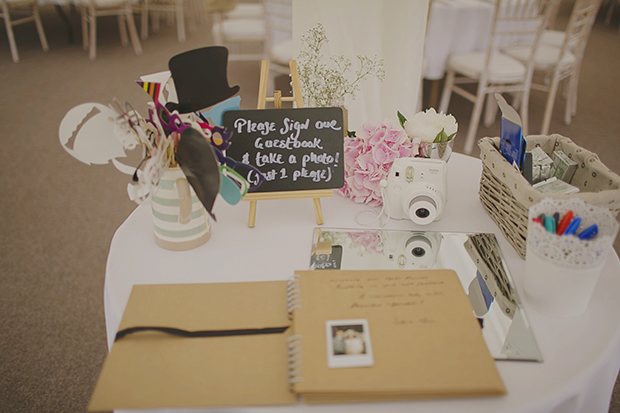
<point>455,26</point>
<point>581,355</point>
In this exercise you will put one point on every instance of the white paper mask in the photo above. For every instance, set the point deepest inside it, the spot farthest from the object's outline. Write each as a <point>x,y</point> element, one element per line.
<point>87,132</point>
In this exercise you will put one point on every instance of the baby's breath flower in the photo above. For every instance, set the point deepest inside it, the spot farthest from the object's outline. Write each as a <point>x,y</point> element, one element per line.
<point>327,86</point>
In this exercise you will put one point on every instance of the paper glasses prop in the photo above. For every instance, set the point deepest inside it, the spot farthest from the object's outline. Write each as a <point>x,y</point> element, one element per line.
<point>233,186</point>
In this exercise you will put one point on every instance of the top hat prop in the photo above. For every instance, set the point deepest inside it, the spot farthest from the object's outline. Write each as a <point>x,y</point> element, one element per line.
<point>200,79</point>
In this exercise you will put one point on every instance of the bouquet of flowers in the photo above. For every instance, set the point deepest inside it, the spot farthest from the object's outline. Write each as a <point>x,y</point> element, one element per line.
<point>370,152</point>
<point>324,85</point>
<point>433,132</point>
<point>368,157</point>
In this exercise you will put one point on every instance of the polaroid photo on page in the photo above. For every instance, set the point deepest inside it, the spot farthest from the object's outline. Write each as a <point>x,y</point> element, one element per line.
<point>348,343</point>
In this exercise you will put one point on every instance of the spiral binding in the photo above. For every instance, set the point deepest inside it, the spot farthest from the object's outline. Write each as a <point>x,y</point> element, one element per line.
<point>295,353</point>
<point>293,294</point>
<point>295,356</point>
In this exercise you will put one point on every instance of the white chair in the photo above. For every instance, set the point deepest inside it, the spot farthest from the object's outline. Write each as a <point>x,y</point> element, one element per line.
<point>246,11</point>
<point>243,32</point>
<point>232,8</point>
<point>91,9</point>
<point>173,7</point>
<point>555,38</point>
<point>552,36</point>
<point>610,10</point>
<point>31,10</point>
<point>516,23</point>
<point>556,63</point>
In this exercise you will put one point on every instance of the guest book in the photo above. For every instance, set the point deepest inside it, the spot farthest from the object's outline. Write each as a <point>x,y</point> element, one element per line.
<point>328,336</point>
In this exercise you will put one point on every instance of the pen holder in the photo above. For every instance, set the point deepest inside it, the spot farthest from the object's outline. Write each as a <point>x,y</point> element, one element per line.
<point>562,271</point>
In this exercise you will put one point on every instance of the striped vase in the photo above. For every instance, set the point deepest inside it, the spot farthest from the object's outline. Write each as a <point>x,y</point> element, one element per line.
<point>181,222</point>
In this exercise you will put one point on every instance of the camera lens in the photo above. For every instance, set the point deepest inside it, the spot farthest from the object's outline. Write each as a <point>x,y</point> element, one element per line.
<point>418,252</point>
<point>422,213</point>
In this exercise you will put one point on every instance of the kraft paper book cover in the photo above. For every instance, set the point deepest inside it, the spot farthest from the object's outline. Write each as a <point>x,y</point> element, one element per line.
<point>157,370</point>
<point>339,336</point>
<point>425,340</point>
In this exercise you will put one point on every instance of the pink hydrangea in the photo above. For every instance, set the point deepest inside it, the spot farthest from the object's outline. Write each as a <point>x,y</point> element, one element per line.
<point>368,157</point>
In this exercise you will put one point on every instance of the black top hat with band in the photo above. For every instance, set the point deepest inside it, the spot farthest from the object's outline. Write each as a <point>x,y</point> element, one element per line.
<point>200,79</point>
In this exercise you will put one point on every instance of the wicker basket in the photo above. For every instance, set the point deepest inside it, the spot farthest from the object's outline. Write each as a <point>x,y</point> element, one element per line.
<point>507,195</point>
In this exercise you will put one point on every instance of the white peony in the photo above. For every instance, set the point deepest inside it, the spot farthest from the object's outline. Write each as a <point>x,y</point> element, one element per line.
<point>427,125</point>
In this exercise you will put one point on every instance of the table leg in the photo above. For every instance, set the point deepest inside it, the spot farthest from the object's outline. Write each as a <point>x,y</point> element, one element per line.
<point>65,19</point>
<point>433,94</point>
<point>318,211</point>
<point>252,217</point>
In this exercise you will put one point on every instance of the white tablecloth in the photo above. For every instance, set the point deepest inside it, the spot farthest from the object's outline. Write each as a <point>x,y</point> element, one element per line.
<point>581,355</point>
<point>455,26</point>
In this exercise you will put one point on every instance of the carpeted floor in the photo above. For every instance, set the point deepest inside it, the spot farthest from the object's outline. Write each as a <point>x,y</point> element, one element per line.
<point>58,216</point>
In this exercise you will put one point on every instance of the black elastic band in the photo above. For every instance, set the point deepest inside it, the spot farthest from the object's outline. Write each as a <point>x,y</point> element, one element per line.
<point>203,333</point>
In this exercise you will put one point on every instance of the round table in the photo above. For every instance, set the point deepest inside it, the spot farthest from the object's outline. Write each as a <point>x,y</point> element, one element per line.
<point>581,355</point>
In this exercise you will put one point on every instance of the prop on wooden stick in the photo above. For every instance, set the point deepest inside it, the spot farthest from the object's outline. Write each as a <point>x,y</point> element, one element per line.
<point>175,133</point>
<point>200,79</point>
<point>199,164</point>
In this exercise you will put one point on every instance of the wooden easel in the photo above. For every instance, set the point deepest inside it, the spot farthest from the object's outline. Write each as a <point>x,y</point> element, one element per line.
<point>277,100</point>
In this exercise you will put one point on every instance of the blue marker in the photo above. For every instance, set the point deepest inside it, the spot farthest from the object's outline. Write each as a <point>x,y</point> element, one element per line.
<point>572,227</point>
<point>550,224</point>
<point>588,233</point>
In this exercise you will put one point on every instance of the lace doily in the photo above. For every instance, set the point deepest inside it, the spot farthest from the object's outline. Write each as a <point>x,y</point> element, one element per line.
<point>569,250</point>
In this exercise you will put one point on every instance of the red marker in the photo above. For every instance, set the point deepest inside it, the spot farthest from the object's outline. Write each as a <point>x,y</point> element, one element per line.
<point>538,220</point>
<point>564,223</point>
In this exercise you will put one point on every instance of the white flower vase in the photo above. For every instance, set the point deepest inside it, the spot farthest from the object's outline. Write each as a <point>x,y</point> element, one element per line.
<point>180,219</point>
<point>442,150</point>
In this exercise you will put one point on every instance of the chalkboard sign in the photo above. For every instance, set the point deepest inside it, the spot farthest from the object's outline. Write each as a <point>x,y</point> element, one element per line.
<point>295,149</point>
